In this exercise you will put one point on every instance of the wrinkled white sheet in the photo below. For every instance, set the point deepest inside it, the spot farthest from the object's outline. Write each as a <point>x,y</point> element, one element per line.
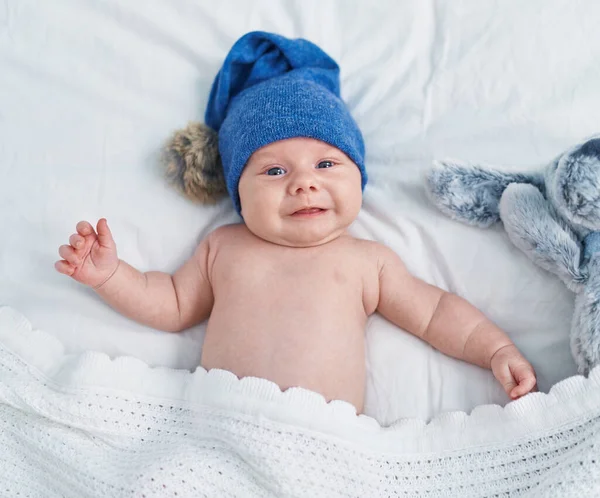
<point>90,89</point>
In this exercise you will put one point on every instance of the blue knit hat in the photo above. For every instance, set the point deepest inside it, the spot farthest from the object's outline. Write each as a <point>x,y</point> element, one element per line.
<point>271,88</point>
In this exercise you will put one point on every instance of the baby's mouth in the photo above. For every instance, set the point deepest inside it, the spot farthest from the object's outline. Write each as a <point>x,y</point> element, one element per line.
<point>308,212</point>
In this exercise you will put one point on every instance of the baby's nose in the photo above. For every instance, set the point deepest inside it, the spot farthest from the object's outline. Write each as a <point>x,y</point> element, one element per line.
<point>304,183</point>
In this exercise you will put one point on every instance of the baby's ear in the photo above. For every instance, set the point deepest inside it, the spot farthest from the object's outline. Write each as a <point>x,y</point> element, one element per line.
<point>193,163</point>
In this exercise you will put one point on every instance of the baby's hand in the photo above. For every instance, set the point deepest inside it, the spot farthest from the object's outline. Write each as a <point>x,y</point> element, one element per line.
<point>90,258</point>
<point>513,371</point>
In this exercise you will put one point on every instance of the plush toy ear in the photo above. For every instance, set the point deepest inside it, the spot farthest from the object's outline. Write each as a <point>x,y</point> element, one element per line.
<point>471,194</point>
<point>193,163</point>
<point>576,182</point>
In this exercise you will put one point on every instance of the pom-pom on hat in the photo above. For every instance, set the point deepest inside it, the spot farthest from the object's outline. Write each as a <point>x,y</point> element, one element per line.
<point>271,88</point>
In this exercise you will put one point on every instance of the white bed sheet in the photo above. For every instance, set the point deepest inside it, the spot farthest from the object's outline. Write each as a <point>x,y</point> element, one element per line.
<point>89,91</point>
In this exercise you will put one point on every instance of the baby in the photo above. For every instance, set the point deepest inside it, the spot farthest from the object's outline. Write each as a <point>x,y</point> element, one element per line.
<point>287,293</point>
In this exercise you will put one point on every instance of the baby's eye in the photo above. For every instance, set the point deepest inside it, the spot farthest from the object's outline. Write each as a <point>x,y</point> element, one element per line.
<point>276,171</point>
<point>325,164</point>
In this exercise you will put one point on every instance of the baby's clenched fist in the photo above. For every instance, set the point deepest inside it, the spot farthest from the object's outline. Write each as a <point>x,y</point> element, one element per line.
<point>513,371</point>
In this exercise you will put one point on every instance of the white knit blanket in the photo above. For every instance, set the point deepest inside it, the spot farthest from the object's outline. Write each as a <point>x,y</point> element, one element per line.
<point>85,425</point>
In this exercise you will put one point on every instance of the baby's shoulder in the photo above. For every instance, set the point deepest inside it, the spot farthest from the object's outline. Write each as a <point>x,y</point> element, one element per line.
<point>369,248</point>
<point>375,252</point>
<point>226,234</point>
<point>222,237</point>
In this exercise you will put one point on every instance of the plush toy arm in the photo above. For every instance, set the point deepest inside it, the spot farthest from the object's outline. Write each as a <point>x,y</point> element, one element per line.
<point>533,228</point>
<point>471,194</point>
<point>585,331</point>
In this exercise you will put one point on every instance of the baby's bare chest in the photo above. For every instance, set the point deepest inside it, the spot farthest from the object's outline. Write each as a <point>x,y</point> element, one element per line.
<point>334,278</point>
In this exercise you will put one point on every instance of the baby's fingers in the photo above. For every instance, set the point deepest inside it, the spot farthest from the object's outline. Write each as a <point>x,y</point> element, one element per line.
<point>525,377</point>
<point>105,237</point>
<point>505,378</point>
<point>68,253</point>
<point>523,388</point>
<point>84,228</point>
<point>64,267</point>
<point>76,241</point>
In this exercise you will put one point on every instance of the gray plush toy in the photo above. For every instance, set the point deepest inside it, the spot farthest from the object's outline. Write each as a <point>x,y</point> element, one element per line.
<point>553,215</point>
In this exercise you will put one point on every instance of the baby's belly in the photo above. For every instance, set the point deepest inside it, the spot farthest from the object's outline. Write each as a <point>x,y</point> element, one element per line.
<point>330,362</point>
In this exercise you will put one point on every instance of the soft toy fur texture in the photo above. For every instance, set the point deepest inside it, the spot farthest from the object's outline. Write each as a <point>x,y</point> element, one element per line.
<point>194,165</point>
<point>553,215</point>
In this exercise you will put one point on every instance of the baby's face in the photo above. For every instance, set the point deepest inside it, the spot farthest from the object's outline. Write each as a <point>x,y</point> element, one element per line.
<point>299,192</point>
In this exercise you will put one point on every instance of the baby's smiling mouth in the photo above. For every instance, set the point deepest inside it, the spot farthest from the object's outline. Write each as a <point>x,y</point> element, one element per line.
<point>313,211</point>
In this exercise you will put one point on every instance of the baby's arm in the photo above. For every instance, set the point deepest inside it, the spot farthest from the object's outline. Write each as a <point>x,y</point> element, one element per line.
<point>159,300</point>
<point>450,324</point>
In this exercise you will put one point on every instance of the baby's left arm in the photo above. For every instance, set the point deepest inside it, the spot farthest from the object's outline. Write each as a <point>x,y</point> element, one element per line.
<point>450,324</point>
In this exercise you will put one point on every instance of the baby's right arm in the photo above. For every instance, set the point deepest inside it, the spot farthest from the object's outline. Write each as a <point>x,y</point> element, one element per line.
<point>157,299</point>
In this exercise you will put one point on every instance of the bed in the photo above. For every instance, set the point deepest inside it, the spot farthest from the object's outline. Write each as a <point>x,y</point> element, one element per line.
<point>90,91</point>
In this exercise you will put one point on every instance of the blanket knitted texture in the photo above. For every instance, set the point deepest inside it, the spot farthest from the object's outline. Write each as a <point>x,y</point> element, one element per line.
<point>85,425</point>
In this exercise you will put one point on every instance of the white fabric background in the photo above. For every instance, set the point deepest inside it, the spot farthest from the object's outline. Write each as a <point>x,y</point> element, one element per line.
<point>90,90</point>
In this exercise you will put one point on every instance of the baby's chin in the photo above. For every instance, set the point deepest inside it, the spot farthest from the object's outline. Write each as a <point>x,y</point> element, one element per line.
<point>300,237</point>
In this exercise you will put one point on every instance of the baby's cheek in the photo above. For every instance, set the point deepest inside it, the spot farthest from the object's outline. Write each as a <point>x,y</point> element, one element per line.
<point>259,218</point>
<point>352,202</point>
